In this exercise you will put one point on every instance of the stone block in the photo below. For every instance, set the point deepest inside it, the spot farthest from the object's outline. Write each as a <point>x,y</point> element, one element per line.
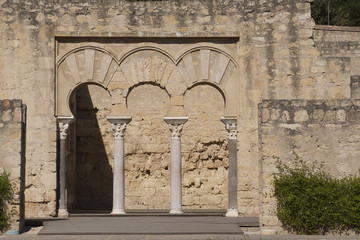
<point>48,180</point>
<point>301,116</point>
<point>6,115</point>
<point>6,103</point>
<point>35,195</point>
<point>318,114</point>
<point>177,101</point>
<point>341,116</point>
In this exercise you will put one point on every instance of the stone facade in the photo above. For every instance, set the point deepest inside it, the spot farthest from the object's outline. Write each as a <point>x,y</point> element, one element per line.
<point>322,131</point>
<point>153,59</point>
<point>12,155</point>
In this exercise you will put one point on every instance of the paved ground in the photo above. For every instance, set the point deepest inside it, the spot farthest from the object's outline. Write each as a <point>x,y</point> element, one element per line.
<point>176,237</point>
<point>157,228</point>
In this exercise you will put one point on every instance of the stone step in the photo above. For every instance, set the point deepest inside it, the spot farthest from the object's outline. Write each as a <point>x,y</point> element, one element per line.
<point>146,225</point>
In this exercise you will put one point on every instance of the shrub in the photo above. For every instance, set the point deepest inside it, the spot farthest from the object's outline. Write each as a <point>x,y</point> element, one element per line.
<point>5,197</point>
<point>309,201</point>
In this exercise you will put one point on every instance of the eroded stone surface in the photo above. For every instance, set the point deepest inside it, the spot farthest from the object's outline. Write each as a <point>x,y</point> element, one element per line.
<point>140,53</point>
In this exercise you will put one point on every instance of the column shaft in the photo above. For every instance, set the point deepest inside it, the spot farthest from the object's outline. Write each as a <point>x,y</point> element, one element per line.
<point>231,127</point>
<point>232,190</point>
<point>119,179</point>
<point>175,125</point>
<point>119,126</point>
<point>62,200</point>
<point>176,191</point>
<point>63,127</point>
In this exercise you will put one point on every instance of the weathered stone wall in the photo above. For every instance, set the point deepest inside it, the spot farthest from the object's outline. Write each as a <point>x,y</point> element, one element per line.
<point>12,155</point>
<point>316,130</point>
<point>147,150</point>
<point>276,56</point>
<point>340,47</point>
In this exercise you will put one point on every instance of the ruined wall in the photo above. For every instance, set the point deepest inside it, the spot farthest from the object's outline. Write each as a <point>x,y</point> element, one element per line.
<point>28,29</point>
<point>341,48</point>
<point>12,155</point>
<point>275,54</point>
<point>316,130</point>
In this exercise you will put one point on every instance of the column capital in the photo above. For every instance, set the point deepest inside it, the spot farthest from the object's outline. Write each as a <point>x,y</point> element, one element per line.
<point>64,123</point>
<point>230,126</point>
<point>119,125</point>
<point>175,125</point>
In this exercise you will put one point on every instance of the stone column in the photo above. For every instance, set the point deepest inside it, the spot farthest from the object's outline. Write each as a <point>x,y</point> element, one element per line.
<point>64,123</point>
<point>175,125</point>
<point>231,127</point>
<point>119,126</point>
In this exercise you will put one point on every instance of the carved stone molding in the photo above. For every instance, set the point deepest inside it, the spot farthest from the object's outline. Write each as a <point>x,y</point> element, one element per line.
<point>119,125</point>
<point>119,129</point>
<point>64,123</point>
<point>230,126</point>
<point>175,130</point>
<point>175,125</point>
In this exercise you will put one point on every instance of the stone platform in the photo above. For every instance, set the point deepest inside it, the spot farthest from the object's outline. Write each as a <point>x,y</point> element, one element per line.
<point>136,224</point>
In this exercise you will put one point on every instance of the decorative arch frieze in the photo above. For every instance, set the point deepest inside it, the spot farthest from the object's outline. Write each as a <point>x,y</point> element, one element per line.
<point>147,65</point>
<point>176,71</point>
<point>205,64</point>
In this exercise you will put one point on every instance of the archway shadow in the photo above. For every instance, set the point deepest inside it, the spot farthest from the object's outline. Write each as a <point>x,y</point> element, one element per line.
<point>92,189</point>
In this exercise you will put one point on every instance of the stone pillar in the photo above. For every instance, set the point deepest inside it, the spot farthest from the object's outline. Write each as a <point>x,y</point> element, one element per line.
<point>231,127</point>
<point>119,126</point>
<point>64,123</point>
<point>175,125</point>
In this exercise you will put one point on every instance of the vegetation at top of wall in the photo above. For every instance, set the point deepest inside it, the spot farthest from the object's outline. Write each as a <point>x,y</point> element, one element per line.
<point>342,12</point>
<point>6,195</point>
<point>309,201</point>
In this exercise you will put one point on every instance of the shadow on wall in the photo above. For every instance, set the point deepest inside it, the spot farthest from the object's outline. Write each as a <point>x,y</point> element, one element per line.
<point>90,186</point>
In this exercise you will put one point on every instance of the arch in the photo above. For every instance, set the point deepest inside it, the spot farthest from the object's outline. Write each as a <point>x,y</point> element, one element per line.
<point>131,50</point>
<point>204,145</point>
<point>217,87</point>
<point>77,49</point>
<point>82,65</point>
<point>147,64</point>
<point>73,91</point>
<point>147,141</point>
<point>144,83</point>
<point>90,163</point>
<point>208,46</point>
<point>205,63</point>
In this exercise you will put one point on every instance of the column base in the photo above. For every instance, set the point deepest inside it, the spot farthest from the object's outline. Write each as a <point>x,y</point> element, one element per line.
<point>232,213</point>
<point>118,211</point>
<point>63,213</point>
<point>176,212</point>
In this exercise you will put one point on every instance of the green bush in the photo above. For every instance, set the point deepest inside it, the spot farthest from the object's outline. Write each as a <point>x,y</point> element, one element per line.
<point>309,201</point>
<point>5,197</point>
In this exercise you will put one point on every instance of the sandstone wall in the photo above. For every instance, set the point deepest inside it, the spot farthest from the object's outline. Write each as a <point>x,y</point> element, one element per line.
<point>341,44</point>
<point>12,155</point>
<point>316,130</point>
<point>147,150</point>
<point>275,57</point>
